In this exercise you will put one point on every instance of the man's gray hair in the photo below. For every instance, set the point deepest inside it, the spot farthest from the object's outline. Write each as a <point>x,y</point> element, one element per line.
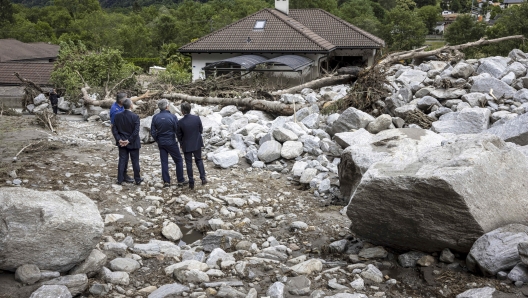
<point>121,96</point>
<point>163,104</point>
<point>127,104</point>
<point>185,108</point>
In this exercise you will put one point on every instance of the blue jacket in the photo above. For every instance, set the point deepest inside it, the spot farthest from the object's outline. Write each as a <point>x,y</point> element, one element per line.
<point>189,133</point>
<point>115,109</point>
<point>163,128</point>
<point>126,127</point>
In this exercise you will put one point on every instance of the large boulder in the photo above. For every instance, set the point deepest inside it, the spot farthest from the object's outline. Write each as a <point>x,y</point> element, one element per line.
<point>144,130</point>
<point>226,159</point>
<point>451,93</point>
<point>462,70</point>
<point>494,66</point>
<point>467,121</point>
<point>364,149</point>
<point>351,118</point>
<point>54,230</point>
<point>514,130</point>
<point>497,250</point>
<point>446,198</point>
<point>269,151</point>
<point>500,89</point>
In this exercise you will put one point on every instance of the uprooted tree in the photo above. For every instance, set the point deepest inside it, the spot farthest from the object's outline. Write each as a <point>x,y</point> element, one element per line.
<point>104,71</point>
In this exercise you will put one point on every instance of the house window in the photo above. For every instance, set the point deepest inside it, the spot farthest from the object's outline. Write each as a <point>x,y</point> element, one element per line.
<point>259,25</point>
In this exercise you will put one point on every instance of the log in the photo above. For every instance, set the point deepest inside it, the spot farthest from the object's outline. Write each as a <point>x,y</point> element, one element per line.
<point>273,107</point>
<point>419,53</point>
<point>29,83</point>
<point>108,102</point>
<point>319,83</point>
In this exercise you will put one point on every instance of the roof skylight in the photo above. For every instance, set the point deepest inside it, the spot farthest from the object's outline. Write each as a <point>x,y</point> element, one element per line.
<point>259,25</point>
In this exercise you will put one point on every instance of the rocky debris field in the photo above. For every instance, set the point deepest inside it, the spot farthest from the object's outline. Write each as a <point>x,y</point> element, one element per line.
<point>341,205</point>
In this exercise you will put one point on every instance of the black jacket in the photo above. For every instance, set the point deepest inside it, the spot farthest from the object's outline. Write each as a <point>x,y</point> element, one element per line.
<point>54,99</point>
<point>126,127</point>
<point>163,128</point>
<point>190,133</point>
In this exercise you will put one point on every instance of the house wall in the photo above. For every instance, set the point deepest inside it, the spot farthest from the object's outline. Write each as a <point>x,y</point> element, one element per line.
<point>199,61</point>
<point>12,96</point>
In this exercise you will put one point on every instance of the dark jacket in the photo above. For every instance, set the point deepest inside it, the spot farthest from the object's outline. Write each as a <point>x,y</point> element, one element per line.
<point>54,99</point>
<point>126,127</point>
<point>189,133</point>
<point>163,128</point>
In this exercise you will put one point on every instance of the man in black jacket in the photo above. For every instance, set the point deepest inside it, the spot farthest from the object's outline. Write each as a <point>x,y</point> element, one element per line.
<point>126,134</point>
<point>163,130</point>
<point>190,136</point>
<point>54,100</point>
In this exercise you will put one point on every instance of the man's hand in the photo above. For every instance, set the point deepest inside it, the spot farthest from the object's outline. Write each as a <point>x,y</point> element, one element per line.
<point>123,143</point>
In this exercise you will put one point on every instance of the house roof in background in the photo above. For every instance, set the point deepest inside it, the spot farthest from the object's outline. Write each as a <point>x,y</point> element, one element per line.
<point>38,73</point>
<point>513,1</point>
<point>14,50</point>
<point>303,30</point>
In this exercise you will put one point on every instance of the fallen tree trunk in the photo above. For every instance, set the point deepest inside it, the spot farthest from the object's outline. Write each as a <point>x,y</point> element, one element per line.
<point>273,107</point>
<point>419,53</point>
<point>316,84</point>
<point>108,102</point>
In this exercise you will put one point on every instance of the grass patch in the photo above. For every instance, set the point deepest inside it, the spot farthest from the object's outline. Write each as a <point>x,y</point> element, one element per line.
<point>435,44</point>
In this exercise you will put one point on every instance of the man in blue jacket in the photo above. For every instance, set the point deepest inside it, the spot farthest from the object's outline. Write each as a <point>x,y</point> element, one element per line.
<point>115,109</point>
<point>126,134</point>
<point>190,136</point>
<point>163,130</point>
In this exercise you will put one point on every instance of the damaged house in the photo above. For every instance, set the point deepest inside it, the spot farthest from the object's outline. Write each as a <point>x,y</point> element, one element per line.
<point>294,43</point>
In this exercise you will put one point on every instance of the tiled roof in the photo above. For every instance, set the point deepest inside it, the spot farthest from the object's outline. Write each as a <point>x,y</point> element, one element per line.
<point>38,73</point>
<point>303,30</point>
<point>337,31</point>
<point>14,50</point>
<point>280,34</point>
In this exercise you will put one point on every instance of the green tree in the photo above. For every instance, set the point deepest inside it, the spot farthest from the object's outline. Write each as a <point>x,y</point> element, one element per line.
<point>369,24</point>
<point>355,8</point>
<point>422,3</point>
<point>97,68</point>
<point>512,21</point>
<point>328,5</point>
<point>6,13</point>
<point>455,5</point>
<point>78,8</point>
<point>135,37</point>
<point>464,29</point>
<point>406,4</point>
<point>403,30</point>
<point>430,15</point>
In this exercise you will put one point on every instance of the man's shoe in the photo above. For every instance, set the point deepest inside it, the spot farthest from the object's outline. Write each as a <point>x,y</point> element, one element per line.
<point>129,180</point>
<point>119,182</point>
<point>204,181</point>
<point>166,184</point>
<point>191,186</point>
<point>183,183</point>
<point>139,181</point>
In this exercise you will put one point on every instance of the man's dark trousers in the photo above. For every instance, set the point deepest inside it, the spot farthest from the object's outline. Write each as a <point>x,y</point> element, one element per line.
<point>199,163</point>
<point>124,153</point>
<point>174,152</point>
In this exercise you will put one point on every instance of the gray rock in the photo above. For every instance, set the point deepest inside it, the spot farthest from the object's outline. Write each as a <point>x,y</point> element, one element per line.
<point>486,292</point>
<point>269,151</point>
<point>55,291</point>
<point>467,121</point>
<point>372,273</point>
<point>298,168</point>
<point>447,256</point>
<point>519,273</point>
<point>311,144</point>
<point>117,277</point>
<point>291,98</point>
<point>100,289</point>
<point>228,111</point>
<point>451,93</point>
<point>28,274</point>
<point>358,137</point>
<point>462,70</point>
<point>517,55</point>
<point>517,68</point>
<point>308,267</point>
<point>171,231</point>
<point>410,259</point>
<point>381,123</point>
<point>456,171</point>
<point>32,218</point>
<point>475,99</point>
<point>500,89</point>
<point>226,159</point>
<point>169,290</point>
<point>497,250</point>
<point>492,66</point>
<point>41,98</point>
<point>311,121</point>
<point>411,77</point>
<point>523,252</point>
<point>229,292</point>
<point>331,148</point>
<point>191,276</point>
<point>424,92</point>
<point>282,135</point>
<point>299,285</point>
<point>427,102</point>
<point>76,284</point>
<point>217,255</point>
<point>291,149</point>
<point>521,96</point>
<point>251,154</point>
<point>365,149</point>
<point>333,284</point>
<point>144,130</point>
<point>308,175</point>
<point>210,242</point>
<point>404,111</point>
<point>351,118</point>
<point>338,246</point>
<point>509,78</point>
<point>276,290</point>
<point>377,252</point>
<point>514,130</point>
<point>237,143</point>
<point>124,264</point>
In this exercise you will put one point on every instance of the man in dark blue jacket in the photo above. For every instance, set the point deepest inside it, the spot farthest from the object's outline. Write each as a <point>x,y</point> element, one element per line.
<point>126,134</point>
<point>190,136</point>
<point>163,130</point>
<point>116,108</point>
